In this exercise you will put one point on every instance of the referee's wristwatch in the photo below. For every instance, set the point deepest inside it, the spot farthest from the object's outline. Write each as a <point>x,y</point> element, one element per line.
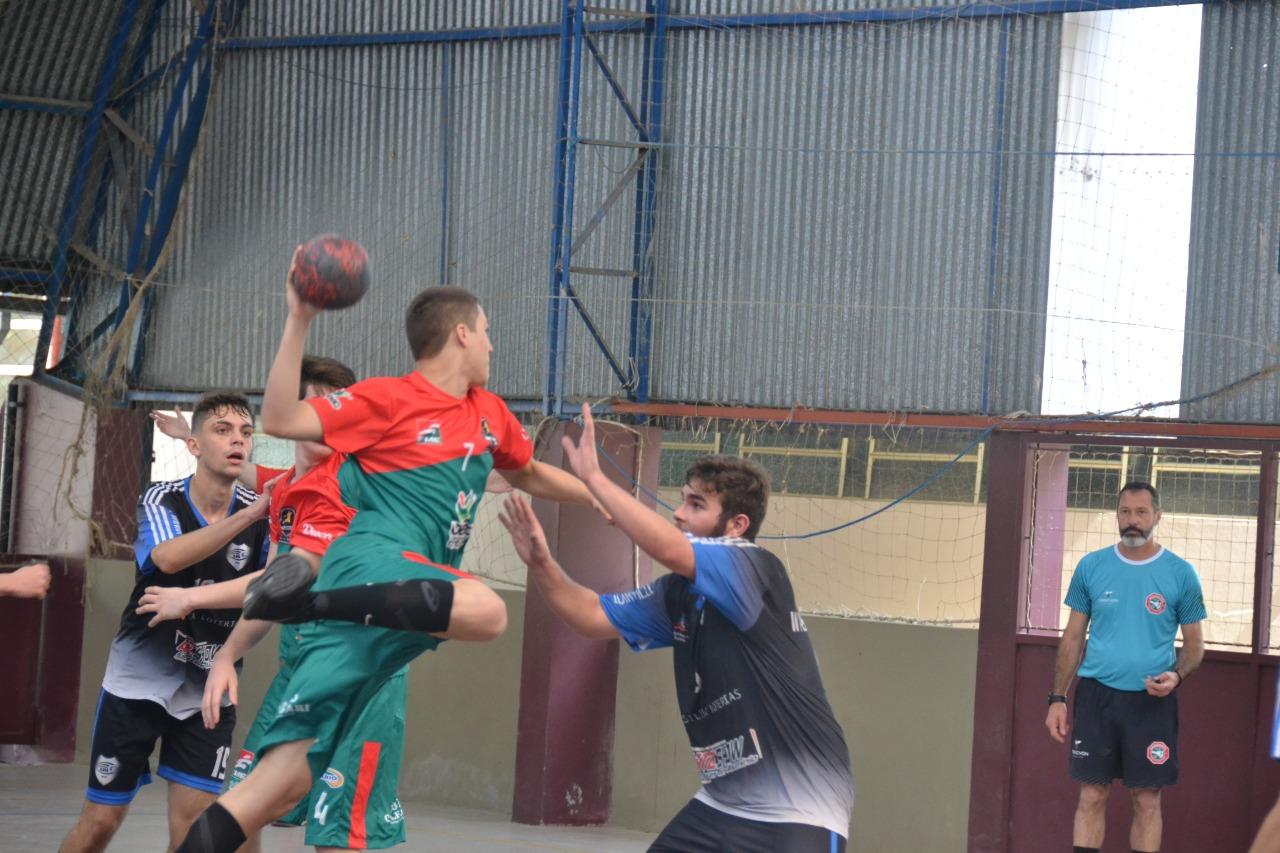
<point>1057,697</point>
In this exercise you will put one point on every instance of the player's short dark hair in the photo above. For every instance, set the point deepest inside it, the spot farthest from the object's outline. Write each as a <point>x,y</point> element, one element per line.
<point>219,401</point>
<point>1142,486</point>
<point>322,372</point>
<point>434,314</point>
<point>741,485</point>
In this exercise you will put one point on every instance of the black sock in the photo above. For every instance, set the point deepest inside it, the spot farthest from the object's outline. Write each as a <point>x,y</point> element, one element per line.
<point>1079,849</point>
<point>215,831</point>
<point>404,605</point>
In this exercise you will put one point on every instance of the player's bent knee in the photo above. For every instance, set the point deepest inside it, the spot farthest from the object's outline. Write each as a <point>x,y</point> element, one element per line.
<point>479,614</point>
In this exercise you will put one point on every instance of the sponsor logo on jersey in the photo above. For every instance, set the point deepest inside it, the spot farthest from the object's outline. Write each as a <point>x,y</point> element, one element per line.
<point>292,706</point>
<point>464,511</point>
<point>105,769</point>
<point>721,702</point>
<point>333,778</point>
<point>288,515</point>
<point>797,623</point>
<point>1155,603</point>
<point>680,631</point>
<point>394,815</point>
<point>196,652</point>
<point>428,432</point>
<point>315,532</point>
<point>727,756</point>
<point>335,399</point>
<point>489,438</point>
<point>238,555</point>
<point>1158,752</point>
<point>633,596</point>
<point>1108,598</point>
<point>240,769</point>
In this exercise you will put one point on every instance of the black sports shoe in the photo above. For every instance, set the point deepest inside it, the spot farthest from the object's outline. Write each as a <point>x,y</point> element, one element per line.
<point>282,593</point>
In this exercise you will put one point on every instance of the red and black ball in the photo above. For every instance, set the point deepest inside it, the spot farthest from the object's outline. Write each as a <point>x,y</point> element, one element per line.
<point>331,272</point>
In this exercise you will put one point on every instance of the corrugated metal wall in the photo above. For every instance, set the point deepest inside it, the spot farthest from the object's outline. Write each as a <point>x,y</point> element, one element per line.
<point>1233,289</point>
<point>796,205</point>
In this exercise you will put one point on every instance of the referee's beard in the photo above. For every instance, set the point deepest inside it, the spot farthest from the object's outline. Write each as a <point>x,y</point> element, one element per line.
<point>1135,537</point>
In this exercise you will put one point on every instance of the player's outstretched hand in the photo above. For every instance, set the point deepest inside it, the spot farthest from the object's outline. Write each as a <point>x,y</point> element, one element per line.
<point>174,426</point>
<point>1057,723</point>
<point>260,506</point>
<point>166,602</point>
<point>30,581</point>
<point>582,455</point>
<point>526,532</point>
<point>298,309</point>
<point>222,680</point>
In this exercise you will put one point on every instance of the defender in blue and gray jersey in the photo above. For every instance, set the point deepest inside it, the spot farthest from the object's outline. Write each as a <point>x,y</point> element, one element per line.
<point>191,532</point>
<point>772,759</point>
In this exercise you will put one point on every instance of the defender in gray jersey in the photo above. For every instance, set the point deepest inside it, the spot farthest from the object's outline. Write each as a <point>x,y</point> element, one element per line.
<point>200,530</point>
<point>772,759</point>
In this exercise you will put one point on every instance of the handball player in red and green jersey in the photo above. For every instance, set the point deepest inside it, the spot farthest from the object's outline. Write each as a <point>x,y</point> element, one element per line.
<point>420,448</point>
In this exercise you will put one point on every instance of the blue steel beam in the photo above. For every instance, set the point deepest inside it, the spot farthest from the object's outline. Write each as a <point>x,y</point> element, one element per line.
<point>123,104</point>
<point>75,192</point>
<point>137,265</point>
<point>721,22</point>
<point>18,103</point>
<point>612,80</point>
<point>553,391</point>
<point>653,86</point>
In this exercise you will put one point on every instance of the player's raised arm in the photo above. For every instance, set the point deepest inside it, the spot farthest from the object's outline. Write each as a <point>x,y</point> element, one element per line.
<point>283,414</point>
<point>656,536</point>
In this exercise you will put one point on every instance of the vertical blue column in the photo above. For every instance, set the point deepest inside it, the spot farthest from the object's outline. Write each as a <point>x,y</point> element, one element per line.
<point>562,204</point>
<point>642,284</point>
<point>80,177</point>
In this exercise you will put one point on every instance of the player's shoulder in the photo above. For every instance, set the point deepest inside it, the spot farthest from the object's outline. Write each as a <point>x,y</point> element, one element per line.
<point>1178,563</point>
<point>1100,557</point>
<point>243,495</point>
<point>487,401</point>
<point>161,490</point>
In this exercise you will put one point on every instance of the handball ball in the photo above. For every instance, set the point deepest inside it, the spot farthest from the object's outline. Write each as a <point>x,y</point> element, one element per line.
<point>331,272</point>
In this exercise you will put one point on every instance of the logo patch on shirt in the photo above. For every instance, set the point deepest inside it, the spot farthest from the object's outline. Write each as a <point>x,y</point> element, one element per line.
<point>333,778</point>
<point>292,706</point>
<point>1158,752</point>
<point>194,652</point>
<point>428,432</point>
<point>460,528</point>
<point>238,555</point>
<point>105,769</point>
<point>240,769</point>
<point>680,632</point>
<point>1155,603</point>
<point>726,756</point>
<point>287,516</point>
<point>489,437</point>
<point>335,399</point>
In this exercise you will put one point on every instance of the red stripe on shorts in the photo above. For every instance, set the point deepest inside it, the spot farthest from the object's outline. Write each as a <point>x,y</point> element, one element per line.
<point>356,838</point>
<point>418,558</point>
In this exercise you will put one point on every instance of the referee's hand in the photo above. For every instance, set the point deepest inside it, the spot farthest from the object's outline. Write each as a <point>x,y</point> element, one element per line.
<point>1163,684</point>
<point>1057,723</point>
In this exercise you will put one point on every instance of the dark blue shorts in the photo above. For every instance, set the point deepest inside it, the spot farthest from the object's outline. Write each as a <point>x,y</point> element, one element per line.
<point>1123,734</point>
<point>125,732</point>
<point>698,828</point>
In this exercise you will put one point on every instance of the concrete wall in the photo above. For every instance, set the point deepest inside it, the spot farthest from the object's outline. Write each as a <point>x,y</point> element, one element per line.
<point>903,693</point>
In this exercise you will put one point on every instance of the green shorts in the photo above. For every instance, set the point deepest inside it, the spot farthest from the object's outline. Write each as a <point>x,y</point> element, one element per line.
<point>340,666</point>
<point>353,802</point>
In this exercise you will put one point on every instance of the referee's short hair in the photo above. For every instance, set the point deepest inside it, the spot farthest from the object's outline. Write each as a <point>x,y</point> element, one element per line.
<point>1142,486</point>
<point>741,485</point>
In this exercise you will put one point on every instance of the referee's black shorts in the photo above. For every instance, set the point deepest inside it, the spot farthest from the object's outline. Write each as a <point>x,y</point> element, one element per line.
<point>1124,734</point>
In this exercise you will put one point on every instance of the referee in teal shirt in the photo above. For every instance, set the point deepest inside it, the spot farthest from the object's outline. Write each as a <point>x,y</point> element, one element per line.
<point>1133,597</point>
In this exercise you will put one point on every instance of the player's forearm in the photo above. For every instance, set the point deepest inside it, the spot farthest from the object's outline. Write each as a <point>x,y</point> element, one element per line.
<point>550,483</point>
<point>280,395</point>
<point>174,555</point>
<point>656,536</point>
<point>221,596</point>
<point>244,636</point>
<point>574,603</point>
<point>1067,663</point>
